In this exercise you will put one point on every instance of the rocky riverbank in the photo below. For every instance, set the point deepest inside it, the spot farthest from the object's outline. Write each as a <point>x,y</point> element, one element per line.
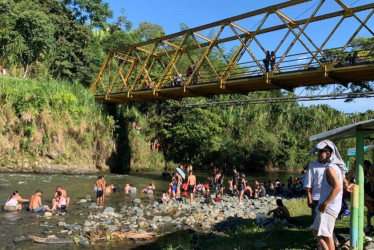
<point>160,218</point>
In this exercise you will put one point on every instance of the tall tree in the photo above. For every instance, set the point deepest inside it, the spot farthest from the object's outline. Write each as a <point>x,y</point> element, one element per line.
<point>94,13</point>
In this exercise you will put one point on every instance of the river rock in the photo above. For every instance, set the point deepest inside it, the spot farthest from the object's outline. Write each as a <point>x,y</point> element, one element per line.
<point>82,201</point>
<point>167,219</point>
<point>93,205</point>
<point>108,221</point>
<point>112,229</point>
<point>84,242</point>
<point>109,210</point>
<point>61,224</point>
<point>260,245</point>
<point>87,223</point>
<point>48,214</point>
<point>141,219</point>
<point>137,201</point>
<point>88,197</point>
<point>20,239</point>
<point>86,229</point>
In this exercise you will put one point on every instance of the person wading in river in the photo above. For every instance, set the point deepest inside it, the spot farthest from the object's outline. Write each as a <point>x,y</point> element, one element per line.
<point>100,186</point>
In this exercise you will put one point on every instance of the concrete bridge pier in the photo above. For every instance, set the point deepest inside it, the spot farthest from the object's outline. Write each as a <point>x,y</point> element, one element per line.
<point>119,161</point>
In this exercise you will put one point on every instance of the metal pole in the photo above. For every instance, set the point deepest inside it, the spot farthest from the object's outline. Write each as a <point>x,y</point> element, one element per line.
<point>360,180</point>
<point>354,218</point>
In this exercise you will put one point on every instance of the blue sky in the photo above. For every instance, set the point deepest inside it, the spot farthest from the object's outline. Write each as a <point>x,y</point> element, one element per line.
<point>169,14</point>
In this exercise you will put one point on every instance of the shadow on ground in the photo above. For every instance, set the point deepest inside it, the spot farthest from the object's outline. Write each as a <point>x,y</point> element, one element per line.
<point>239,233</point>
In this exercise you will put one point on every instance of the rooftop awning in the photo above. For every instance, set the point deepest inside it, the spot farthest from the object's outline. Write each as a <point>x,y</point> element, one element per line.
<point>345,132</point>
<point>352,151</point>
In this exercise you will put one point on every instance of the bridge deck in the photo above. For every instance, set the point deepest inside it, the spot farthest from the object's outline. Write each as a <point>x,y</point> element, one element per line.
<point>244,85</point>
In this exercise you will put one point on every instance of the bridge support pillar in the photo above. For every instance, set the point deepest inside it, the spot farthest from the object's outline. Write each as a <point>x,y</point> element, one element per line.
<point>119,162</point>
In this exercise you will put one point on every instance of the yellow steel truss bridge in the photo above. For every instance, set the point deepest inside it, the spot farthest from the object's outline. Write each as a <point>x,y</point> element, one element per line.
<point>230,55</point>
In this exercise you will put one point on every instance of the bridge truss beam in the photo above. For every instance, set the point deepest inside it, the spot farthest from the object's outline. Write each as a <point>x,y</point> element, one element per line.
<point>128,73</point>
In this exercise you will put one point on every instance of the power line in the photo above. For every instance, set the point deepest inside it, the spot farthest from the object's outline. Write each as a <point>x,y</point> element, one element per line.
<point>283,99</point>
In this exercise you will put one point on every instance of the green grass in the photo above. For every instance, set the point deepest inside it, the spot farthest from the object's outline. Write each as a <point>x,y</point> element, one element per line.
<point>249,234</point>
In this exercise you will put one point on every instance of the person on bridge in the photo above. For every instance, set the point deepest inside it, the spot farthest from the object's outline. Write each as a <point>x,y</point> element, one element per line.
<point>189,71</point>
<point>266,61</point>
<point>272,60</point>
<point>195,74</point>
<point>355,57</point>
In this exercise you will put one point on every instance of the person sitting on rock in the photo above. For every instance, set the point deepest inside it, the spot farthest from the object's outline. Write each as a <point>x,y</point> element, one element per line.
<point>248,191</point>
<point>36,203</point>
<point>12,202</point>
<point>165,197</point>
<point>281,212</point>
<point>200,188</point>
<point>63,192</point>
<point>60,202</point>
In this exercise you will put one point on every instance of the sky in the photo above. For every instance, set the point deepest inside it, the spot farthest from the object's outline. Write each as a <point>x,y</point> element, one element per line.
<point>170,14</point>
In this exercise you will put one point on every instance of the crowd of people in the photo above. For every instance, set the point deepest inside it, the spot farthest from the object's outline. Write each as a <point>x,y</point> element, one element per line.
<point>237,185</point>
<point>324,182</point>
<point>60,201</point>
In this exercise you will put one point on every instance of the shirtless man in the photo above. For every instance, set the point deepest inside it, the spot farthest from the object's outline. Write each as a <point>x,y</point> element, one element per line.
<point>191,181</point>
<point>281,212</point>
<point>63,194</point>
<point>100,186</point>
<point>127,188</point>
<point>36,203</point>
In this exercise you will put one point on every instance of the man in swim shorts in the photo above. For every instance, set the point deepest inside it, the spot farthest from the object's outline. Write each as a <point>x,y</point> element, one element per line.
<point>36,203</point>
<point>100,186</point>
<point>191,181</point>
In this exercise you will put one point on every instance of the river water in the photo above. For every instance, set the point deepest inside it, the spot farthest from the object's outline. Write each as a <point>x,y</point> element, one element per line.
<point>13,224</point>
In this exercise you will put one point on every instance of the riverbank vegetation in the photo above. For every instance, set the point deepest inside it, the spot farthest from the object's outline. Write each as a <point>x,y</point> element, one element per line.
<point>53,52</point>
<point>52,123</point>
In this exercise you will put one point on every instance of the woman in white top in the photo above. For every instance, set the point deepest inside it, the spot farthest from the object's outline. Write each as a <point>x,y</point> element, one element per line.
<point>12,202</point>
<point>60,202</point>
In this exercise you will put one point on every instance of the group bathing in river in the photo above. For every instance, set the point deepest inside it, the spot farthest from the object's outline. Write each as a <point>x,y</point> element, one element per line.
<point>59,201</point>
<point>323,183</point>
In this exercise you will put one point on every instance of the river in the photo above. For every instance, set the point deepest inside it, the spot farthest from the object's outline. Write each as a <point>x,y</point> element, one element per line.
<point>13,224</point>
